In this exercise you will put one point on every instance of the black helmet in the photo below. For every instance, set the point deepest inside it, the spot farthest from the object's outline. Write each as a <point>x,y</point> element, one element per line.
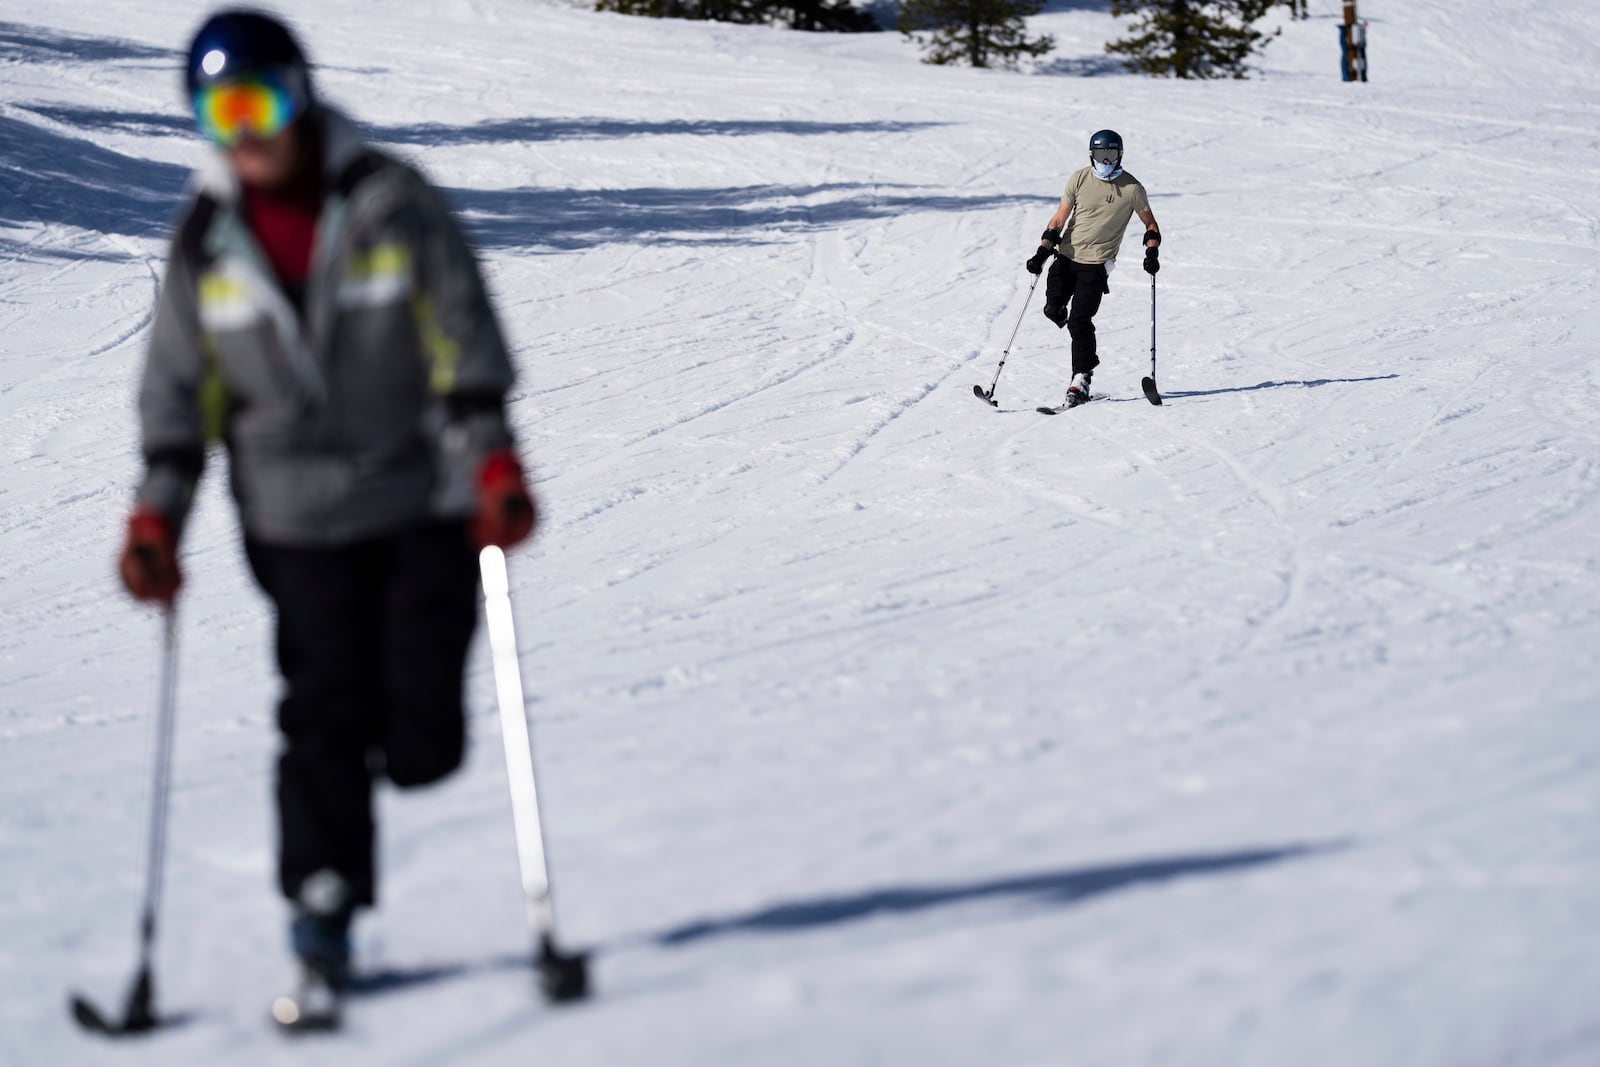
<point>1106,139</point>
<point>240,42</point>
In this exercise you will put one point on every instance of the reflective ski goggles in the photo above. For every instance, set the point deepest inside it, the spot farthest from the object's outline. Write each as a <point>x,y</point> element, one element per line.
<point>260,106</point>
<point>1105,155</point>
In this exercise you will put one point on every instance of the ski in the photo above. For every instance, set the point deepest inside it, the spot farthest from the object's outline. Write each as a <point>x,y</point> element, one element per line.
<point>1151,393</point>
<point>1073,400</point>
<point>988,398</point>
<point>313,1007</point>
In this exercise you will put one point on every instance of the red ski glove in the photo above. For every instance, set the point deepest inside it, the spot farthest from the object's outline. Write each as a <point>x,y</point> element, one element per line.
<point>506,512</point>
<point>149,561</point>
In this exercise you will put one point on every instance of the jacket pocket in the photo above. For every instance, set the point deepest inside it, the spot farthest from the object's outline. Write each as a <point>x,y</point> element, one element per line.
<point>376,277</point>
<point>226,304</point>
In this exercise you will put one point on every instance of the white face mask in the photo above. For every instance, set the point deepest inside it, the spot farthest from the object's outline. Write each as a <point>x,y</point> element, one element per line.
<point>1106,171</point>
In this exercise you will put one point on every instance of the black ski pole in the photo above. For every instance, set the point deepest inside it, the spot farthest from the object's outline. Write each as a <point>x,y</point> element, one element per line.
<point>978,390</point>
<point>1151,393</point>
<point>140,1016</point>
<point>563,976</point>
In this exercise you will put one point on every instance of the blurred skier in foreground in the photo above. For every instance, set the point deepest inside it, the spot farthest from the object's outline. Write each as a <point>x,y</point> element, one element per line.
<point>1084,234</point>
<point>323,317</point>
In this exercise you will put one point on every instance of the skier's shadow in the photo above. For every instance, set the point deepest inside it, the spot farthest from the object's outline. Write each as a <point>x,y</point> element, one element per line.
<point>1059,888</point>
<point>397,979</point>
<point>1307,384</point>
<point>1053,888</point>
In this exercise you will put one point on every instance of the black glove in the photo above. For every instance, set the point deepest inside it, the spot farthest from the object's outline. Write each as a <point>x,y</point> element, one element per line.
<point>1036,264</point>
<point>1052,237</point>
<point>1152,261</point>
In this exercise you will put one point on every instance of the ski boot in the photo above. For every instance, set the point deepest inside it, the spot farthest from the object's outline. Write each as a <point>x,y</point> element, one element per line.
<point>1078,391</point>
<point>319,933</point>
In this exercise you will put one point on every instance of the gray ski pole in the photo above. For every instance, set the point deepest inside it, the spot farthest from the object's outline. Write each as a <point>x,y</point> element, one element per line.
<point>988,394</point>
<point>1151,393</point>
<point>563,976</point>
<point>139,1015</point>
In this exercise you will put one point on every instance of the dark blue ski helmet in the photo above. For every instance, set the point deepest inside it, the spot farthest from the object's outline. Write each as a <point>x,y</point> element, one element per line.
<point>239,42</point>
<point>1106,141</point>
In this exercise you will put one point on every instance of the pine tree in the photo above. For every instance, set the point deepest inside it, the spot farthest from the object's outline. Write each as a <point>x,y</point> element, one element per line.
<point>981,32</point>
<point>655,9</point>
<point>832,16</point>
<point>1191,38</point>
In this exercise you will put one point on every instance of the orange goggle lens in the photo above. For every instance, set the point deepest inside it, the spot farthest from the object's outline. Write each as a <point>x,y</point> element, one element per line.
<point>228,111</point>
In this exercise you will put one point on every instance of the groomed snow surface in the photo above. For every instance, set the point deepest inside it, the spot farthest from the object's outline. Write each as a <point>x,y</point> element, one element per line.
<point>875,726</point>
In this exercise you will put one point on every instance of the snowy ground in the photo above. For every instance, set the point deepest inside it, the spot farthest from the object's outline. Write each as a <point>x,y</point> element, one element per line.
<point>875,726</point>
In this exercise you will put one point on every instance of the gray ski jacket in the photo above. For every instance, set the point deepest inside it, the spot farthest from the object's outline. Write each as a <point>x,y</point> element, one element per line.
<point>369,413</point>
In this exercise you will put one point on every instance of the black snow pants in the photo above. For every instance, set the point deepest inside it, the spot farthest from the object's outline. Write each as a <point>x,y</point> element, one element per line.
<point>1071,298</point>
<point>372,642</point>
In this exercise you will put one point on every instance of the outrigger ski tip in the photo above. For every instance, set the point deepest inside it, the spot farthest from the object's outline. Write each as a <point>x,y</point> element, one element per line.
<point>977,391</point>
<point>90,1018</point>
<point>1150,392</point>
<point>138,1017</point>
<point>564,976</point>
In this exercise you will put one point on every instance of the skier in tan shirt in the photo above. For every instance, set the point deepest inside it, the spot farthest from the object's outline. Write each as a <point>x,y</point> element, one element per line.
<point>1084,234</point>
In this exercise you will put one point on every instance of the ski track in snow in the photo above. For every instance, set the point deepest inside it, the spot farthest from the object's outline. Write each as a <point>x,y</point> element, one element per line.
<point>876,725</point>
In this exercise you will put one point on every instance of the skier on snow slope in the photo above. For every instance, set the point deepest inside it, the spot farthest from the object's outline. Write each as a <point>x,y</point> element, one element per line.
<point>1083,235</point>
<point>323,317</point>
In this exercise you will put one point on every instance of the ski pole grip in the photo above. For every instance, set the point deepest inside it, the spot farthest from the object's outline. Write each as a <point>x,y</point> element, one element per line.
<point>492,567</point>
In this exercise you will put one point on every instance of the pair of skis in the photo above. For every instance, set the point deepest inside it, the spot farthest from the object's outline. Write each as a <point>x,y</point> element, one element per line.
<point>315,1005</point>
<point>1148,384</point>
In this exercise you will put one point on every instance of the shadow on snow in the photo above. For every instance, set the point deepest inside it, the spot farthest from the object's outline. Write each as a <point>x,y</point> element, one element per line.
<point>573,218</point>
<point>1082,67</point>
<point>148,123</point>
<point>1311,384</point>
<point>1052,887</point>
<point>56,179</point>
<point>33,44</point>
<point>1057,888</point>
<point>396,979</point>
<point>38,44</point>
<point>525,130</point>
<point>506,131</point>
<point>51,179</point>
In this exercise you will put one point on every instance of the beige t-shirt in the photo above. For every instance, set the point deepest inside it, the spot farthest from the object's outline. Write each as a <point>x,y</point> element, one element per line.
<point>1100,214</point>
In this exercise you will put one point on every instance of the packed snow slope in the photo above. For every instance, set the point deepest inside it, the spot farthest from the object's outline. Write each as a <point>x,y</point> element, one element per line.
<point>875,726</point>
